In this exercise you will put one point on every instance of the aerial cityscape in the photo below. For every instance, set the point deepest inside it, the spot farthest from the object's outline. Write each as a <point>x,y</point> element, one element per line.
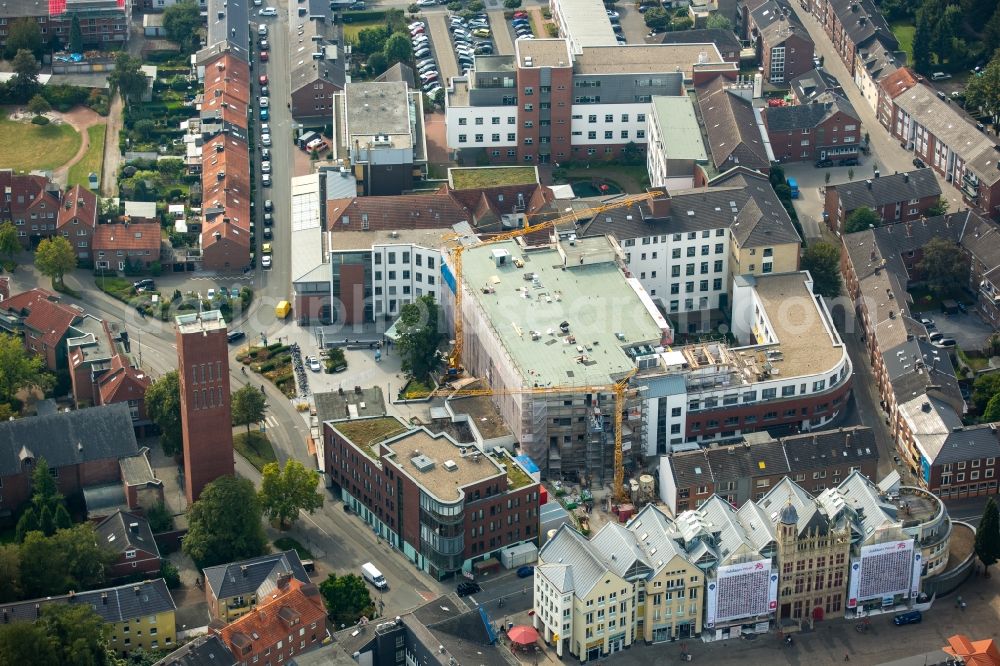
<point>528,332</point>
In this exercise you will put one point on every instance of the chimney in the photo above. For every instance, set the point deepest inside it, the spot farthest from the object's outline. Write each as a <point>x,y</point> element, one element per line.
<point>357,390</point>
<point>243,570</point>
<point>104,598</point>
<point>906,177</point>
<point>136,589</point>
<point>909,230</point>
<point>869,183</point>
<point>133,528</point>
<point>38,611</point>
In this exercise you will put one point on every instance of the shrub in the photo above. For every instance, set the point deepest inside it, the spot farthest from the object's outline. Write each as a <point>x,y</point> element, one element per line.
<point>455,6</point>
<point>547,13</point>
<point>512,4</point>
<point>414,8</point>
<point>171,576</point>
<point>552,29</point>
<point>40,120</point>
<point>476,6</point>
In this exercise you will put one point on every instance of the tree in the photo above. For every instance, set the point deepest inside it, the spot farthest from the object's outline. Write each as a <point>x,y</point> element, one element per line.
<point>347,599</point>
<point>719,22</point>
<point>922,37</point>
<point>656,18</point>
<point>68,560</point>
<point>397,49</point>
<point>163,405</point>
<point>26,524</point>
<point>419,337</point>
<point>62,518</point>
<point>377,64</point>
<point>861,219</point>
<point>988,536</point>
<point>127,79</point>
<point>144,128</point>
<point>224,524</point>
<point>25,81</point>
<point>983,91</point>
<point>946,31</point>
<point>10,244</point>
<point>283,492</point>
<point>984,387</point>
<point>79,634</point>
<point>44,491</point>
<point>39,105</point>
<point>19,369</point>
<point>248,405</point>
<point>822,260</point>
<point>940,208</point>
<point>372,40</point>
<point>54,257</point>
<point>944,265</point>
<point>46,523</point>
<point>978,11</point>
<point>26,643</point>
<point>75,35</point>
<point>182,21</point>
<point>10,574</point>
<point>26,34</point>
<point>992,412</point>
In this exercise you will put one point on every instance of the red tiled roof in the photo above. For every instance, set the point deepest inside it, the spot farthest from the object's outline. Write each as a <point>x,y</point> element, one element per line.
<point>123,382</point>
<point>974,653</point>
<point>227,89</point>
<point>137,236</point>
<point>291,602</point>
<point>78,203</point>
<point>24,302</point>
<point>30,188</point>
<point>51,319</point>
<point>407,211</point>
<point>898,82</point>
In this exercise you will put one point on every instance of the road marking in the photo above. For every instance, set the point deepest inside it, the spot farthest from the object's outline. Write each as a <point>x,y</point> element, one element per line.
<point>271,421</point>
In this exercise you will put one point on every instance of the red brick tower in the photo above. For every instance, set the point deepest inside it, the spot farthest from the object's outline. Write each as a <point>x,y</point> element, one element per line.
<point>206,417</point>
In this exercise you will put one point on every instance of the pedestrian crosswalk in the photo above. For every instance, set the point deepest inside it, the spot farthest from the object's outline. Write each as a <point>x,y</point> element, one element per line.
<point>270,421</point>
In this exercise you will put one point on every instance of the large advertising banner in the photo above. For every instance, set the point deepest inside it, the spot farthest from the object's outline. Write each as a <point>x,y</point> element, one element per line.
<point>742,590</point>
<point>883,570</point>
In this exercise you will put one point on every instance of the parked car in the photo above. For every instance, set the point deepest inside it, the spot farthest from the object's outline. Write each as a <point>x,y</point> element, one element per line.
<point>263,79</point>
<point>850,161</point>
<point>919,163</point>
<point>481,32</point>
<point>357,5</point>
<point>265,261</point>
<point>526,571</point>
<point>233,336</point>
<point>426,3</point>
<point>263,56</point>
<point>613,14</point>
<point>265,167</point>
<point>421,52</point>
<point>268,233</point>
<point>927,322</point>
<point>935,336</point>
<point>265,153</point>
<point>144,285</point>
<point>945,343</point>
<point>266,249</point>
<point>265,114</point>
<point>824,164</point>
<point>314,364</point>
<point>265,102</point>
<point>268,11</point>
<point>265,139</point>
<point>465,588</point>
<point>940,76</point>
<point>416,24</point>
<point>268,205</point>
<point>520,14</point>
<point>210,295</point>
<point>911,617</point>
<point>265,180</point>
<point>263,44</point>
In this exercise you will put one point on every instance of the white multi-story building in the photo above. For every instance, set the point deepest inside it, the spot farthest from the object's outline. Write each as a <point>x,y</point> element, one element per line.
<point>675,144</point>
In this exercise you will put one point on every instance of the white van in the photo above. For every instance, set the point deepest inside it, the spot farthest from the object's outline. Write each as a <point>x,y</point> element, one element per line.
<point>262,30</point>
<point>374,576</point>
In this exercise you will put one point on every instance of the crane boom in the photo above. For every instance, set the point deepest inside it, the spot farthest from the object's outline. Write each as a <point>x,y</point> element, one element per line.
<point>455,358</point>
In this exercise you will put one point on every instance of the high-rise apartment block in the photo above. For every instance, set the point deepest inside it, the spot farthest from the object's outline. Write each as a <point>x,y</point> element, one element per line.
<point>206,417</point>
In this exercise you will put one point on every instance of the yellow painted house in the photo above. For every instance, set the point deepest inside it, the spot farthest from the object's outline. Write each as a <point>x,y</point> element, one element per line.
<point>139,615</point>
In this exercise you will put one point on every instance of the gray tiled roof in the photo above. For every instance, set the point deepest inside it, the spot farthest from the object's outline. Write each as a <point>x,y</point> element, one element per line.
<point>202,651</point>
<point>68,438</point>
<point>229,26</point>
<point>724,40</point>
<point>776,22</point>
<point>115,532</point>
<point>570,547</point>
<point>850,446</point>
<point>893,188</point>
<point>971,442</point>
<point>807,116</point>
<point>771,225</point>
<point>862,21</point>
<point>734,138</point>
<point>113,604</point>
<point>813,83</point>
<point>621,552</point>
<point>860,494</point>
<point>247,576</point>
<point>560,575</point>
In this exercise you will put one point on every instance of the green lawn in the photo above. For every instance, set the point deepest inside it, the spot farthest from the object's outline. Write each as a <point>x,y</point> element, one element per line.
<point>471,179</point>
<point>365,433</point>
<point>351,30</point>
<point>255,447</point>
<point>904,35</point>
<point>92,160</point>
<point>24,146</point>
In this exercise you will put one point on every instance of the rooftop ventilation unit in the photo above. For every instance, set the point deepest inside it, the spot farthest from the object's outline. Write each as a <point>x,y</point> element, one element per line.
<point>423,463</point>
<point>450,465</point>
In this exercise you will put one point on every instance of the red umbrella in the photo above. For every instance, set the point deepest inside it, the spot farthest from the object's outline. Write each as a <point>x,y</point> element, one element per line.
<point>522,634</point>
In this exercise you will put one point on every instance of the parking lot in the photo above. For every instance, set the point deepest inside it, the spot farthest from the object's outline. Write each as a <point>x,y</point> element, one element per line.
<point>966,329</point>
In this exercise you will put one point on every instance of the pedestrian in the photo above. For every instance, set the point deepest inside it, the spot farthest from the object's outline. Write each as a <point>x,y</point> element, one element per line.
<point>847,657</point>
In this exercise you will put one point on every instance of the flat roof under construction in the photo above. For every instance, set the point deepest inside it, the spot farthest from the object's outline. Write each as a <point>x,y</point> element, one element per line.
<point>577,283</point>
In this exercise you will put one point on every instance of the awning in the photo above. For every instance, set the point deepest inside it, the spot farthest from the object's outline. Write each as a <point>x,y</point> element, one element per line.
<point>522,634</point>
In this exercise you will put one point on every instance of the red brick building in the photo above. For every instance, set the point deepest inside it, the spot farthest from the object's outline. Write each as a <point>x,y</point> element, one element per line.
<point>854,27</point>
<point>783,46</point>
<point>31,203</point>
<point>103,23</point>
<point>82,448</point>
<point>133,245</point>
<point>206,416</point>
<point>77,220</point>
<point>128,535</point>
<point>42,322</point>
<point>828,128</point>
<point>899,197</point>
<point>444,506</point>
<point>889,88</point>
<point>289,622</point>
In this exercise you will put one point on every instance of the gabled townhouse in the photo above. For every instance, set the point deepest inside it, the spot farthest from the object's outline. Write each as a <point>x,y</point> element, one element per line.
<point>855,26</point>
<point>889,88</point>
<point>916,380</point>
<point>784,48</point>
<point>31,203</point>
<point>747,470</point>
<point>318,70</point>
<point>828,128</point>
<point>235,589</point>
<point>42,322</point>
<point>77,220</point>
<point>83,448</point>
<point>948,141</point>
<point>290,620</point>
<point>734,132</point>
<point>127,246</point>
<point>899,197</point>
<point>807,87</point>
<point>128,535</point>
